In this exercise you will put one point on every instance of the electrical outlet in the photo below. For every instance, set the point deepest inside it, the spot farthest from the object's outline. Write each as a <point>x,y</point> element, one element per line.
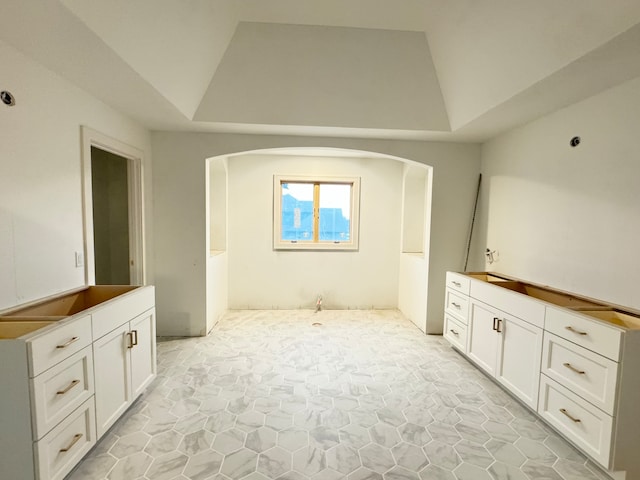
<point>79,259</point>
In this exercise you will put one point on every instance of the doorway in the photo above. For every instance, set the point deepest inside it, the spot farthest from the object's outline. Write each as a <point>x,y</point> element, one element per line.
<point>112,184</point>
<point>110,190</point>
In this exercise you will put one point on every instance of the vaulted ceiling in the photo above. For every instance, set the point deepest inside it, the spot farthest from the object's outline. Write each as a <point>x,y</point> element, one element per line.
<point>423,69</point>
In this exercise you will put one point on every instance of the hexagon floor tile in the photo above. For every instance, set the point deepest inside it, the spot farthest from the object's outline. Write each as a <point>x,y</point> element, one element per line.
<point>365,395</point>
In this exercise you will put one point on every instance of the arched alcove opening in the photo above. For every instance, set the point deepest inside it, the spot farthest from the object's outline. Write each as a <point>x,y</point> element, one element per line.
<point>390,269</point>
<point>181,243</point>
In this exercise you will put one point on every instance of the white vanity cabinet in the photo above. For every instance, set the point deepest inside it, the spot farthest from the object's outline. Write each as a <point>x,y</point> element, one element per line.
<point>572,359</point>
<point>128,350</point>
<point>52,382</point>
<point>507,348</point>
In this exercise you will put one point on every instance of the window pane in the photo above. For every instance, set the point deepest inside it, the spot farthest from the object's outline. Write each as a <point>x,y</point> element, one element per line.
<point>335,212</point>
<point>297,211</point>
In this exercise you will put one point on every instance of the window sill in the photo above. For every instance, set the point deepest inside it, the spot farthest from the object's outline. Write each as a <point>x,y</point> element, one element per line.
<point>321,247</point>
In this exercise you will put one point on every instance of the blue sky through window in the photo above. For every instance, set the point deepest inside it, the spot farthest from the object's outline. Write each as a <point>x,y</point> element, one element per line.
<point>297,212</point>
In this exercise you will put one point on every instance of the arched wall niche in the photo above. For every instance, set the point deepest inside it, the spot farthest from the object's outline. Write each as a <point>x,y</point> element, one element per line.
<point>395,202</point>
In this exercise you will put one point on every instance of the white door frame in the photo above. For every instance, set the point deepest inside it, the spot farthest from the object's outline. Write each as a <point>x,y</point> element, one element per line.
<point>135,160</point>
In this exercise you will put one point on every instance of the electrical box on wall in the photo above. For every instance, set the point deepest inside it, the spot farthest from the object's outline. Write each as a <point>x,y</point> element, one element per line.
<point>492,255</point>
<point>79,259</point>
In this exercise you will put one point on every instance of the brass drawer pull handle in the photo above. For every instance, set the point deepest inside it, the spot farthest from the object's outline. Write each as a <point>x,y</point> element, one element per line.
<point>457,284</point>
<point>499,325</point>
<point>130,335</point>
<point>65,345</point>
<point>135,337</point>
<point>455,305</point>
<point>69,387</point>
<point>454,332</point>
<point>571,329</point>
<point>574,369</point>
<point>76,437</point>
<point>564,412</point>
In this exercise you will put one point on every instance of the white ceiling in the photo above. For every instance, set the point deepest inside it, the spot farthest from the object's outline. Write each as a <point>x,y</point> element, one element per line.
<point>415,69</point>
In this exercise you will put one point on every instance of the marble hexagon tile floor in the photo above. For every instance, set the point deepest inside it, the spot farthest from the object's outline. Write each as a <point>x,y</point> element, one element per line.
<point>363,396</point>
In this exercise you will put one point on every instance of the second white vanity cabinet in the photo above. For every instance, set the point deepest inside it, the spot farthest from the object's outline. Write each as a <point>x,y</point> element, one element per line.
<point>507,348</point>
<point>571,359</point>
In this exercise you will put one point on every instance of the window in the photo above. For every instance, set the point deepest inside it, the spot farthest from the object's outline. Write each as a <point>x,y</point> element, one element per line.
<point>315,213</point>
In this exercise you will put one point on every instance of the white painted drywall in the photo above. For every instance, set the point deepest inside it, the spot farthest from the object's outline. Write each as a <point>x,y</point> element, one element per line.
<point>280,74</point>
<point>217,289</point>
<point>192,38</point>
<point>40,180</point>
<point>218,204</point>
<point>472,45</point>
<point>180,227</point>
<point>413,208</point>
<point>416,233</point>
<point>569,217</point>
<point>412,288</point>
<point>217,286</point>
<point>262,278</point>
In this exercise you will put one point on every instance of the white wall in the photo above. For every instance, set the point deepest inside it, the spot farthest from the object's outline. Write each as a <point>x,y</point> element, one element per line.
<point>281,74</point>
<point>478,67</point>
<point>414,258</point>
<point>192,39</point>
<point>217,263</point>
<point>569,217</point>
<point>218,204</point>
<point>415,193</point>
<point>179,184</point>
<point>260,277</point>
<point>217,289</point>
<point>40,177</point>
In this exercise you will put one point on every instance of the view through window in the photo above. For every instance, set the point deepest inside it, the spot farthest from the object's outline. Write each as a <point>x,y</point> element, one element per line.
<point>316,213</point>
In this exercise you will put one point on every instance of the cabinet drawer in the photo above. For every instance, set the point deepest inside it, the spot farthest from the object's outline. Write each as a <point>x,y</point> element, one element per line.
<point>579,329</point>
<point>458,282</point>
<point>60,390</point>
<point>456,333</point>
<point>589,375</point>
<point>457,305</point>
<point>62,448</point>
<point>581,422</point>
<point>55,345</point>
<point>111,315</point>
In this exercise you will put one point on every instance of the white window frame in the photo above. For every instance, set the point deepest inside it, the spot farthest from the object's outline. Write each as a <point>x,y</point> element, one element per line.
<point>354,220</point>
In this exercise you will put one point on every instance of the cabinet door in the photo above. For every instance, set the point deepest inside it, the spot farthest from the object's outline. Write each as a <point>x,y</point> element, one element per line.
<point>483,339</point>
<point>519,358</point>
<point>112,377</point>
<point>143,353</point>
